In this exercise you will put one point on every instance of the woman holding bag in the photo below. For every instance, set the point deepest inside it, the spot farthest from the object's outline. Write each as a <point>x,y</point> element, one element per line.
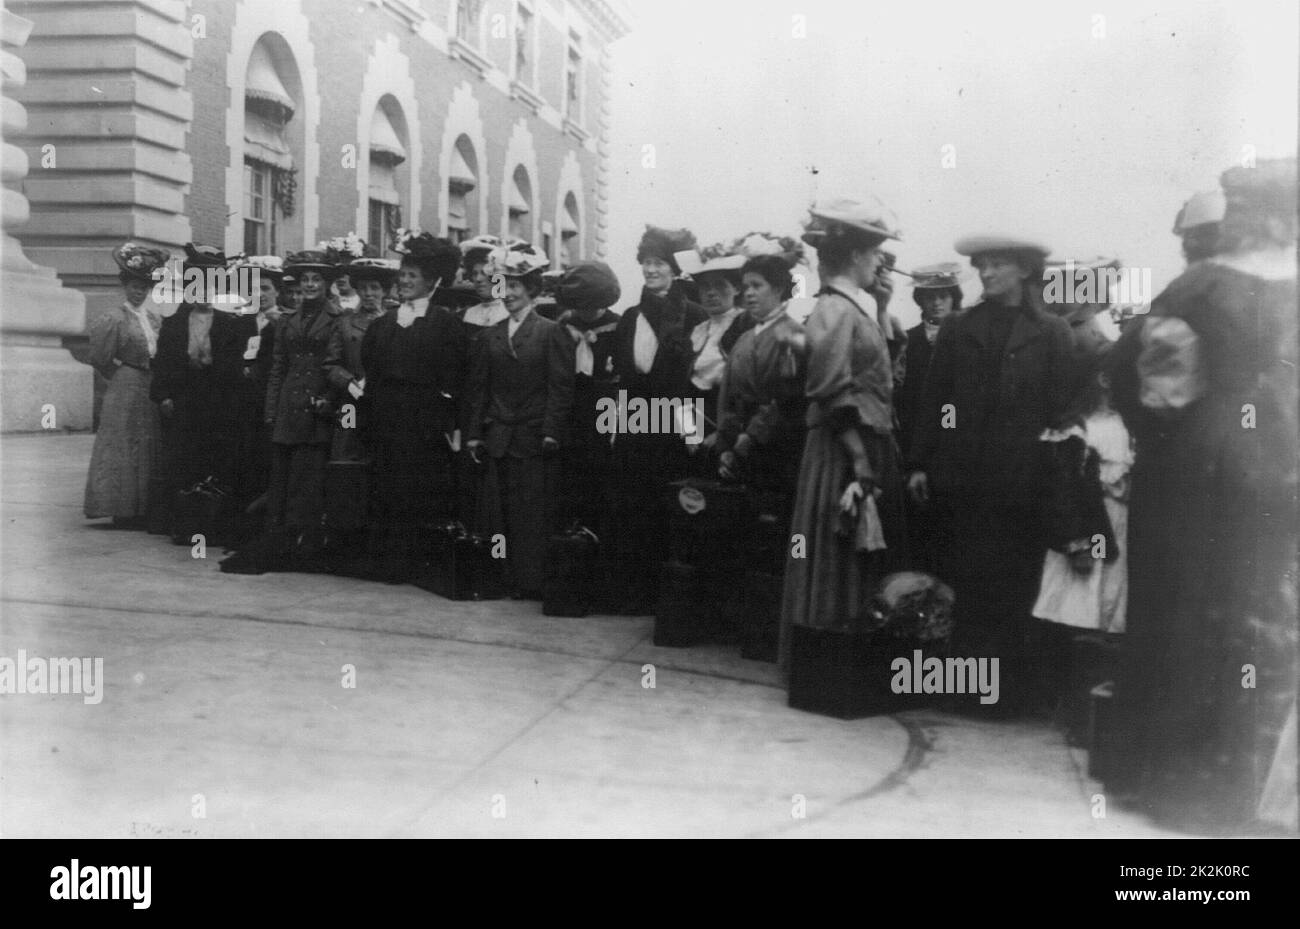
<point>848,507</point>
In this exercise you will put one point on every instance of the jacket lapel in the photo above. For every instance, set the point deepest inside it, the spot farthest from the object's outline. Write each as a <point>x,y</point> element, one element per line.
<point>1024,329</point>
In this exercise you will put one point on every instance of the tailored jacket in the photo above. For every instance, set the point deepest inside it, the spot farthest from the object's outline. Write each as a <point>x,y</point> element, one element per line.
<point>298,376</point>
<point>978,435</point>
<point>521,389</point>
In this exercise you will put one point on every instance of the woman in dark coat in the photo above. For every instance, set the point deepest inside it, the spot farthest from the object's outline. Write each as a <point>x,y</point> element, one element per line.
<point>521,392</point>
<point>297,406</point>
<point>585,293</point>
<point>371,277</point>
<point>122,347</point>
<point>1207,385</point>
<point>415,360</point>
<point>1000,375</point>
<point>653,358</point>
<point>198,374</point>
<point>761,427</point>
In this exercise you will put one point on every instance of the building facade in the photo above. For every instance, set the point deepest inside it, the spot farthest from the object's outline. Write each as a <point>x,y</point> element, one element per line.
<point>265,126</point>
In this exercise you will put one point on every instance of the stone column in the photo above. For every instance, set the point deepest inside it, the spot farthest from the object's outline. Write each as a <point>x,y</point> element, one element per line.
<point>41,385</point>
<point>109,109</point>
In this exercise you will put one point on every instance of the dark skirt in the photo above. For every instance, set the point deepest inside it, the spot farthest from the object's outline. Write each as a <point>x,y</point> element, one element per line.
<point>643,466</point>
<point>834,582</point>
<point>519,500</point>
<point>296,497</point>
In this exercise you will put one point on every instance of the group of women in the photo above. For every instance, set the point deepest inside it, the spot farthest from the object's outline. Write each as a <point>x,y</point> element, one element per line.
<point>877,449</point>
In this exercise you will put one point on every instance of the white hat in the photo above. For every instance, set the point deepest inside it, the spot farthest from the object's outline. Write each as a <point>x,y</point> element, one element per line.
<point>1203,209</point>
<point>996,242</point>
<point>867,214</point>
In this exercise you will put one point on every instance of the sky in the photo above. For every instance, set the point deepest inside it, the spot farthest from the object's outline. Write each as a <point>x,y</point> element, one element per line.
<point>1082,125</point>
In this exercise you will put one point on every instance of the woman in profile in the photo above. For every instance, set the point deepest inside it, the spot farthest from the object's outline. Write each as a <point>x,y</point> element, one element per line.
<point>847,509</point>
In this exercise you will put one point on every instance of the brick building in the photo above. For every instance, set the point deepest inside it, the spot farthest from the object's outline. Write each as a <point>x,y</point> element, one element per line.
<point>267,125</point>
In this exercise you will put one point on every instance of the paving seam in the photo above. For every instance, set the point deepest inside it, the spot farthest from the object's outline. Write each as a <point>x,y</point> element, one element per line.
<point>242,617</point>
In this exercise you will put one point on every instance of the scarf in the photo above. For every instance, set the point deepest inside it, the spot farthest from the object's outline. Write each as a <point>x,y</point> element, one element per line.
<point>200,338</point>
<point>584,338</point>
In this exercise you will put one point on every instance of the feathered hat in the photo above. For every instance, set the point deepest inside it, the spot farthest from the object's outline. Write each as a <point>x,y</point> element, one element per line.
<point>664,244</point>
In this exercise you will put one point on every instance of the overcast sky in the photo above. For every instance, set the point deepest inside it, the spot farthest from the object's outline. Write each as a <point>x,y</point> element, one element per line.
<point>1089,133</point>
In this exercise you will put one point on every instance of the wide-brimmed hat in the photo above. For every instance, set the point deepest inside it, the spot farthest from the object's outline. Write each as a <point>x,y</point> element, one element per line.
<point>518,261</point>
<point>383,270</point>
<point>310,260</point>
<point>588,285</point>
<point>1204,208</point>
<point>204,256</point>
<point>937,276</point>
<point>139,261</point>
<point>271,266</point>
<point>837,215</point>
<point>984,243</point>
<point>664,244</point>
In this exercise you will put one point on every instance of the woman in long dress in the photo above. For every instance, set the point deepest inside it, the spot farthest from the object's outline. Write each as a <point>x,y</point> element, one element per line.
<point>848,507</point>
<point>415,361</point>
<point>653,358</point>
<point>122,346</point>
<point>1207,384</point>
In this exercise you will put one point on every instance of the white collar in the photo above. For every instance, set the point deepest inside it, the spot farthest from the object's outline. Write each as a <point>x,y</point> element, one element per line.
<point>767,323</point>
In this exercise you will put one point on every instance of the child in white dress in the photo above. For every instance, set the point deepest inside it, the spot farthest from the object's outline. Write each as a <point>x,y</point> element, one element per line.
<point>1085,576</point>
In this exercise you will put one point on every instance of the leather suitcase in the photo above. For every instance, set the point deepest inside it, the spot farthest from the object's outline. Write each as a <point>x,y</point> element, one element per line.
<point>760,624</point>
<point>347,495</point>
<point>709,523</point>
<point>677,612</point>
<point>205,509</point>
<point>846,674</point>
<point>573,575</point>
<point>458,565</point>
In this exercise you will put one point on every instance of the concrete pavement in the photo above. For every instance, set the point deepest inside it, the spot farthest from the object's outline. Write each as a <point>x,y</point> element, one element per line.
<point>224,695</point>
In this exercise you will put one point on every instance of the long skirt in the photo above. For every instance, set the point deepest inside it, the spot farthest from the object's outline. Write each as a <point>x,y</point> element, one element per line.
<point>833,582</point>
<point>994,570</point>
<point>643,466</point>
<point>296,499</point>
<point>127,448</point>
<point>519,496</point>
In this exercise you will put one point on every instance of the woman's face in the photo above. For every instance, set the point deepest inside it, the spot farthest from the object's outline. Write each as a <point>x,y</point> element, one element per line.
<point>1002,276</point>
<point>136,291</point>
<point>517,296</point>
<point>482,281</point>
<point>372,295</point>
<point>412,284</point>
<point>717,294</point>
<point>935,305</point>
<point>344,286</point>
<point>292,296</point>
<point>313,285</point>
<point>866,263</point>
<point>658,274</point>
<point>761,298</point>
<point>267,295</point>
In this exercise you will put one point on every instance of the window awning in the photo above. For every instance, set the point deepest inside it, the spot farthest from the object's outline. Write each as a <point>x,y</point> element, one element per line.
<point>518,202</point>
<point>262,84</point>
<point>264,141</point>
<point>385,145</point>
<point>461,175</point>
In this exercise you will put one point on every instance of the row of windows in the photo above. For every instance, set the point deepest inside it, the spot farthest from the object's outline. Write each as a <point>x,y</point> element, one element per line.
<point>469,16</point>
<point>272,92</point>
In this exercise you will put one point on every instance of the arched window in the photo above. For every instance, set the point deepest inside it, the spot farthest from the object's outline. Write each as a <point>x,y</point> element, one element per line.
<point>462,180</point>
<point>570,232</point>
<point>389,175</point>
<point>271,93</point>
<point>520,206</point>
